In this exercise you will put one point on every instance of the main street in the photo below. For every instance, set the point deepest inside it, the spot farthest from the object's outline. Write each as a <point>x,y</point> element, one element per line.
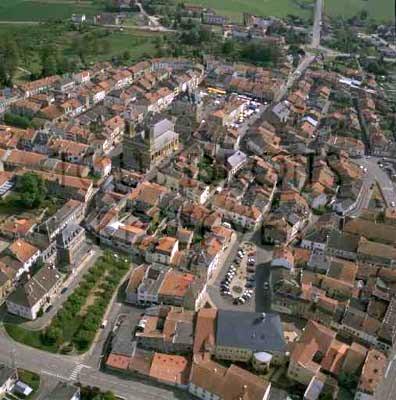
<point>73,369</point>
<point>308,58</point>
<point>317,24</point>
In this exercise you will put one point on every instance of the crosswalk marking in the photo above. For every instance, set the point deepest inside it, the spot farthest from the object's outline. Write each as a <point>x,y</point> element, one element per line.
<point>76,371</point>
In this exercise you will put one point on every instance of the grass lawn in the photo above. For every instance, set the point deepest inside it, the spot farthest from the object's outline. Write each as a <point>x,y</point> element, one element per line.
<point>138,43</point>
<point>44,10</point>
<point>30,338</point>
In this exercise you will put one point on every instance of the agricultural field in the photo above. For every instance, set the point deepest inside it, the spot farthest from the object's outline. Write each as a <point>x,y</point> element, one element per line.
<point>235,8</point>
<point>377,9</point>
<point>44,10</point>
<point>381,10</point>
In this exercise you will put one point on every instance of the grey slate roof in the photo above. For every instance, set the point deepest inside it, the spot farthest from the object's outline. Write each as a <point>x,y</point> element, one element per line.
<point>343,241</point>
<point>237,158</point>
<point>68,234</point>
<point>123,343</point>
<point>249,330</point>
<point>62,391</point>
<point>36,288</point>
<point>6,373</point>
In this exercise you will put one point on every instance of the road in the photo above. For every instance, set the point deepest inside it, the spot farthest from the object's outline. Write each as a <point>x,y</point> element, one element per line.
<point>20,22</point>
<point>153,21</point>
<point>374,174</point>
<point>85,368</point>
<point>308,58</point>
<point>74,369</point>
<point>387,388</point>
<point>317,24</point>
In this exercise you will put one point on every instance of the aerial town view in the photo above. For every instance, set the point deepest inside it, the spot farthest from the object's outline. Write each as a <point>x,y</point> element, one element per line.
<point>197,200</point>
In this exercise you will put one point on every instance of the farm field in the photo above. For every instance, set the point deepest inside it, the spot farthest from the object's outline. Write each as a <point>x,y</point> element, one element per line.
<point>378,9</point>
<point>235,8</point>
<point>44,10</point>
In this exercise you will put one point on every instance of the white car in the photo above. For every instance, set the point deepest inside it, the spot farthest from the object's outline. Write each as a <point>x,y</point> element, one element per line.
<point>393,204</point>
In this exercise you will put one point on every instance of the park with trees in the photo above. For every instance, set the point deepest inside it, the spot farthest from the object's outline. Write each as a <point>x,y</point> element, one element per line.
<point>75,325</point>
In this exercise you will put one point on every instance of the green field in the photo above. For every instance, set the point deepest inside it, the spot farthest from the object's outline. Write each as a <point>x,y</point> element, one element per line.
<point>378,9</point>
<point>235,8</point>
<point>44,10</point>
<point>31,39</point>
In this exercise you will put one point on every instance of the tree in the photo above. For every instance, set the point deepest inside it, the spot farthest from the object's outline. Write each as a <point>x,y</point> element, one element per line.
<point>363,15</point>
<point>9,60</point>
<point>261,54</point>
<point>53,335</point>
<point>326,396</point>
<point>17,120</point>
<point>228,47</point>
<point>126,55</point>
<point>348,381</point>
<point>105,396</point>
<point>49,65</point>
<point>32,189</point>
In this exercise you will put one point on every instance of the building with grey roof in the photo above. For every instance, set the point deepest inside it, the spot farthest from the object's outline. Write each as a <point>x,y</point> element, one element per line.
<point>241,334</point>
<point>8,378</point>
<point>124,341</point>
<point>148,290</point>
<point>144,147</point>
<point>342,244</point>
<point>71,212</point>
<point>280,113</point>
<point>37,293</point>
<point>71,245</point>
<point>64,391</point>
<point>236,161</point>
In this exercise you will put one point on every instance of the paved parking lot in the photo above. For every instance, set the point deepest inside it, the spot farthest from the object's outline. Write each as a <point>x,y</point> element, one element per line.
<point>259,301</point>
<point>240,274</point>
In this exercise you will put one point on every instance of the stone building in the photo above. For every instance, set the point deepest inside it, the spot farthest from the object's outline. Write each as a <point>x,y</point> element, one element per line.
<point>145,147</point>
